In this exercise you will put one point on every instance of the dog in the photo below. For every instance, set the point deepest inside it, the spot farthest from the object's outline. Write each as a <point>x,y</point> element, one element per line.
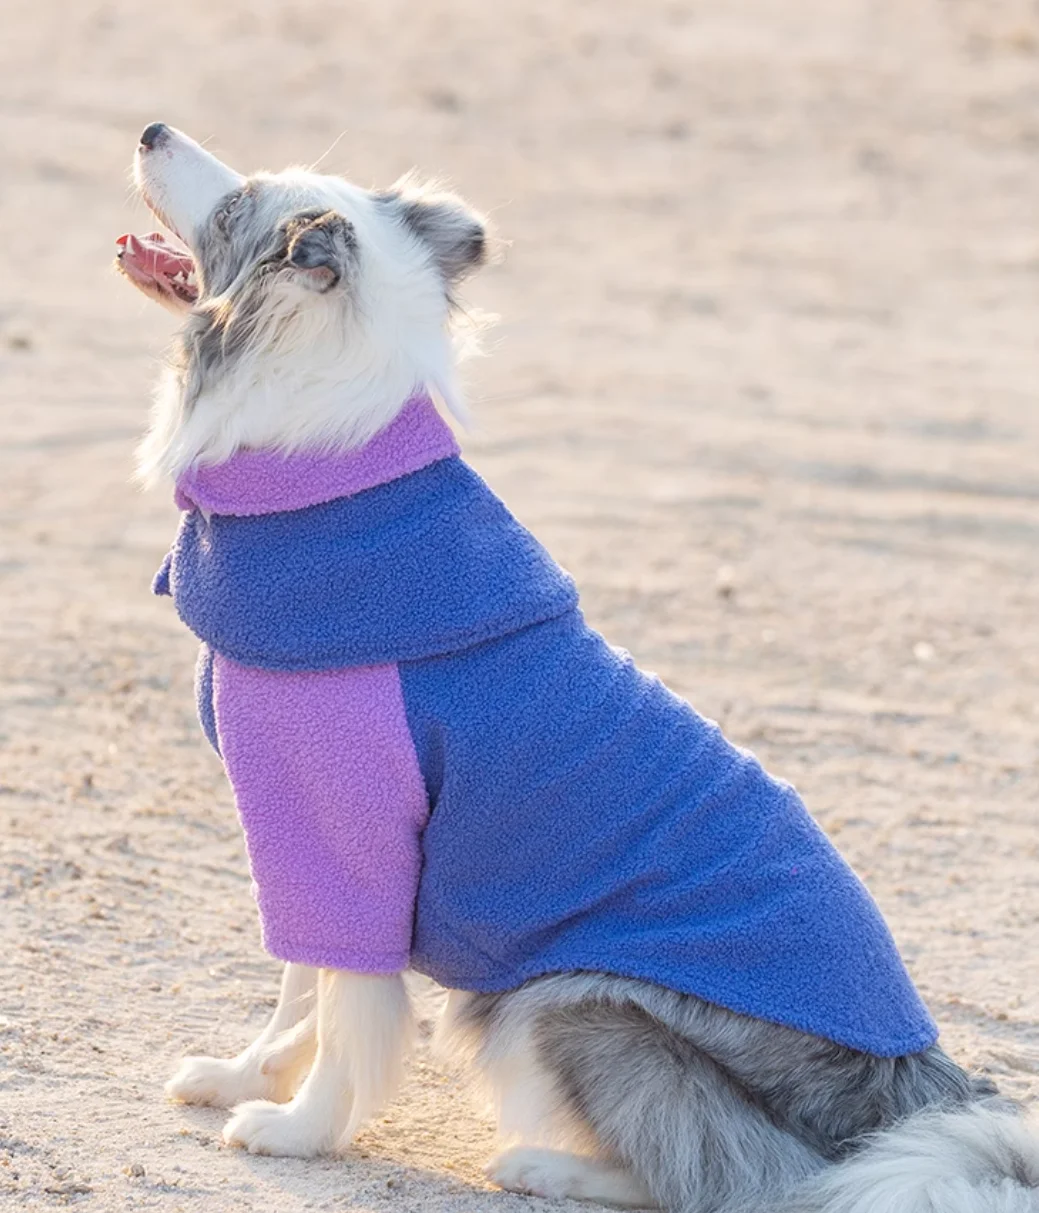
<point>678,992</point>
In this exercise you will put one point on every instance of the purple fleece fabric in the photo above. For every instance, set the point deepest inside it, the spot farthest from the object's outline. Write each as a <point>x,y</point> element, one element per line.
<point>266,482</point>
<point>333,806</point>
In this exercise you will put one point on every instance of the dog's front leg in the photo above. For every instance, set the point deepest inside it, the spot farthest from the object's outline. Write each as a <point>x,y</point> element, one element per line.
<point>364,1027</point>
<point>269,1068</point>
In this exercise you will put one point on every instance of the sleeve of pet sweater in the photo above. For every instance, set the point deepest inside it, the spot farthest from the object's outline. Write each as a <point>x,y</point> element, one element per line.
<point>333,805</point>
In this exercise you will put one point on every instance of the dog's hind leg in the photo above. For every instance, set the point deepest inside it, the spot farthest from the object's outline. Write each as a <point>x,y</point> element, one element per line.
<point>531,1110</point>
<point>364,1026</point>
<point>270,1067</point>
<point>667,1112</point>
<point>665,1123</point>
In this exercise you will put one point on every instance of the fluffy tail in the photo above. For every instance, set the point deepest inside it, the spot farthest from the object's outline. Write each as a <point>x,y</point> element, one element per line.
<point>977,1160</point>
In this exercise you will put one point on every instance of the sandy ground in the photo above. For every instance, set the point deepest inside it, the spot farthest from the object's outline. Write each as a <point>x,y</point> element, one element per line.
<point>764,381</point>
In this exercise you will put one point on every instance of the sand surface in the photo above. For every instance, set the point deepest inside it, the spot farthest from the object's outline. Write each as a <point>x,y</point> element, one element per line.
<point>765,382</point>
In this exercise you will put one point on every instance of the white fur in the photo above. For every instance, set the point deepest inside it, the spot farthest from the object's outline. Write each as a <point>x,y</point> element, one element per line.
<point>526,1103</point>
<point>936,1162</point>
<point>559,1176</point>
<point>529,1111</point>
<point>271,1066</point>
<point>182,182</point>
<point>364,1030</point>
<point>323,371</point>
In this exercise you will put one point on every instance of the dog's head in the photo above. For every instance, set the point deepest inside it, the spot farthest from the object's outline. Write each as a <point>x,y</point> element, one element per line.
<point>312,307</point>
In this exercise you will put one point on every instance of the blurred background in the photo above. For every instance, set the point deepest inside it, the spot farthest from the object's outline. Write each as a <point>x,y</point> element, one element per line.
<point>764,381</point>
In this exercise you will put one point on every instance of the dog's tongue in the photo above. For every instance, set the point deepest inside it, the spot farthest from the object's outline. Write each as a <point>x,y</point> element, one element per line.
<point>151,262</point>
<point>153,255</point>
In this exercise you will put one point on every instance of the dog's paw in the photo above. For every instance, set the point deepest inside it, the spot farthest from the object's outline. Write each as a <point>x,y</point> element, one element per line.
<point>558,1176</point>
<point>286,1130</point>
<point>221,1083</point>
<point>533,1172</point>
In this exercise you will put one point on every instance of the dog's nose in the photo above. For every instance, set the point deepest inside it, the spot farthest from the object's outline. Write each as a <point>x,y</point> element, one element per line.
<point>153,134</point>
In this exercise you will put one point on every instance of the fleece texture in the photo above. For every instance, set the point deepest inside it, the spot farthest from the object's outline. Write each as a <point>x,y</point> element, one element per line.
<point>266,482</point>
<point>584,817</point>
<point>333,807</point>
<point>429,563</point>
<point>437,762</point>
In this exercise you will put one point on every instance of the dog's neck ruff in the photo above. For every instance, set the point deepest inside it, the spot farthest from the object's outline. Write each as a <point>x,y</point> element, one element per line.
<point>269,482</point>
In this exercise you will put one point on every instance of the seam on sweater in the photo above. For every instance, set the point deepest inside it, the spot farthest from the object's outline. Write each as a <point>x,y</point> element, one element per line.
<point>400,702</point>
<point>432,794</point>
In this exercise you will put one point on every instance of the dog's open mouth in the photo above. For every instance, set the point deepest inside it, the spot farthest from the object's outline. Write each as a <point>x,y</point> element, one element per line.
<point>158,267</point>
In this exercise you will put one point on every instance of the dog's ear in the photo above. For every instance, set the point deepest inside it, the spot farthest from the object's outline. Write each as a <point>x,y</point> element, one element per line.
<point>455,233</point>
<point>321,248</point>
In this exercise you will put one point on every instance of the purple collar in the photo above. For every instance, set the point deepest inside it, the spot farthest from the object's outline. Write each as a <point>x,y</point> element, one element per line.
<point>267,482</point>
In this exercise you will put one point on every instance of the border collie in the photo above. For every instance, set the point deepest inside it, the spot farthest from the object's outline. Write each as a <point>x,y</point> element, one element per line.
<point>680,994</point>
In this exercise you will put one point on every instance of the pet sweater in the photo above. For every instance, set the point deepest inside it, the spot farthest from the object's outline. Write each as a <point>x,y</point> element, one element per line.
<point>439,764</point>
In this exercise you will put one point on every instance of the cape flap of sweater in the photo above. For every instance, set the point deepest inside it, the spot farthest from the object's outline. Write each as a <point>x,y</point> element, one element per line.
<point>427,564</point>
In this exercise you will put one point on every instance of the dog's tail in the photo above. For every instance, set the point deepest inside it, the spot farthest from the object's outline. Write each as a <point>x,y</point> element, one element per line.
<point>982,1159</point>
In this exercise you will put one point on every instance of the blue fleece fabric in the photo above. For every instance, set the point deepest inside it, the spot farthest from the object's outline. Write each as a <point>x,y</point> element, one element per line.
<point>426,564</point>
<point>583,817</point>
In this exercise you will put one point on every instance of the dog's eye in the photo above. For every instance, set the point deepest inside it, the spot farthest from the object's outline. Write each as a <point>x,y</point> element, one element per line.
<point>227,209</point>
